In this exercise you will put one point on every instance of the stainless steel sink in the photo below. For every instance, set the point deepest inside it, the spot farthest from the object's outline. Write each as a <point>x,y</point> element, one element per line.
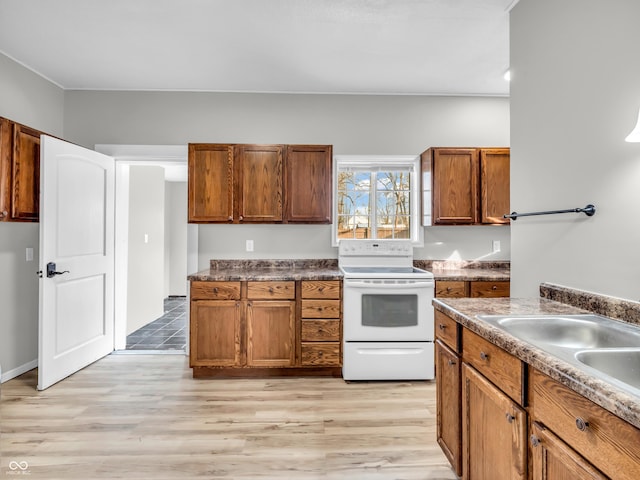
<point>568,331</point>
<point>600,346</point>
<point>622,364</point>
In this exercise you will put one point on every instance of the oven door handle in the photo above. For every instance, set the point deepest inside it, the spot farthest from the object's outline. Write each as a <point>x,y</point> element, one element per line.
<point>391,286</point>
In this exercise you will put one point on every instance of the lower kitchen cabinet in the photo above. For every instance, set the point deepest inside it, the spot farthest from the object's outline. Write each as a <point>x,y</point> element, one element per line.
<point>448,404</point>
<point>494,431</point>
<point>264,327</point>
<point>474,289</point>
<point>552,459</point>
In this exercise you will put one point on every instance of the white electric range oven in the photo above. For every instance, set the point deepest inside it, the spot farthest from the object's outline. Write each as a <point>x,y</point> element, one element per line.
<point>387,313</point>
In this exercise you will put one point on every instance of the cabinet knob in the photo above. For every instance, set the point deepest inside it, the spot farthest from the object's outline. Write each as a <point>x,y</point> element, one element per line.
<point>442,326</point>
<point>215,289</point>
<point>581,424</point>
<point>510,418</point>
<point>241,218</point>
<point>451,362</point>
<point>535,441</point>
<point>494,287</point>
<point>270,289</point>
<point>230,218</point>
<point>448,289</point>
<point>484,356</point>
<point>3,214</point>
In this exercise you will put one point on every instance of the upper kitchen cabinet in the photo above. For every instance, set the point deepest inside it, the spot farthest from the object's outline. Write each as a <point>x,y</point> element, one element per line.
<point>210,183</point>
<point>308,183</point>
<point>465,186</point>
<point>259,183</point>
<point>259,176</point>
<point>19,172</point>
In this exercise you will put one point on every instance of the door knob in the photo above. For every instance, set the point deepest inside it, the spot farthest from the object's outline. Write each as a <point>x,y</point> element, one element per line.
<point>51,270</point>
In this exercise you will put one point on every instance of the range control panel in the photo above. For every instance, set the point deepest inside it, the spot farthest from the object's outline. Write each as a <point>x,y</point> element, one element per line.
<point>373,248</point>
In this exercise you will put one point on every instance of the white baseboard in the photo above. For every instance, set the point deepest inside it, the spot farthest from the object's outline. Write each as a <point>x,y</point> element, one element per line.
<point>18,371</point>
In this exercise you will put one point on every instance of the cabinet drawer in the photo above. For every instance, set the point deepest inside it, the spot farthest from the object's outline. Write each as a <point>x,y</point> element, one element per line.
<point>320,330</point>
<point>608,442</point>
<point>451,289</point>
<point>446,330</point>
<point>271,290</point>
<point>490,289</point>
<point>321,289</point>
<point>215,290</point>
<point>501,368</point>
<point>320,308</point>
<point>327,353</point>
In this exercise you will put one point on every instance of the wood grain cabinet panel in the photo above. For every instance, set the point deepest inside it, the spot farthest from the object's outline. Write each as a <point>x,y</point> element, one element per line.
<point>271,290</point>
<point>215,290</point>
<point>309,183</point>
<point>321,289</point>
<point>270,333</point>
<point>474,289</point>
<point>320,308</point>
<point>259,173</point>
<point>448,404</point>
<point>606,441</point>
<point>465,186</point>
<point>320,330</point>
<point>552,459</point>
<point>494,431</point>
<point>211,183</point>
<point>321,354</point>
<point>321,323</point>
<point>446,330</point>
<point>6,152</point>
<point>484,289</point>
<point>215,333</point>
<point>451,289</point>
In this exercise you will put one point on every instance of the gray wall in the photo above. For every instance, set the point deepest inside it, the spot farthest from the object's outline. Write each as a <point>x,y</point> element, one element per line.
<point>145,279</point>
<point>175,238</point>
<point>28,99</point>
<point>575,94</point>
<point>352,124</point>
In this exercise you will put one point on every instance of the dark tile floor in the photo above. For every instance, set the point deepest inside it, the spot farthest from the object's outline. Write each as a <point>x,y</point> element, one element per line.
<point>168,332</point>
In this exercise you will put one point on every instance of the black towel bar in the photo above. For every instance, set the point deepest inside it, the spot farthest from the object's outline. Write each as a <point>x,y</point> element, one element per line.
<point>589,211</point>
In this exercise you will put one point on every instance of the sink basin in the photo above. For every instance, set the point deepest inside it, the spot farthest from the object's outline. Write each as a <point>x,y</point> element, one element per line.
<point>568,331</point>
<point>605,348</point>
<point>621,364</point>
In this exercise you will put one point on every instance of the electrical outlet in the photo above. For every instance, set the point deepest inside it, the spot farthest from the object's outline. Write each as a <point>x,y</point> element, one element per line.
<point>29,254</point>
<point>249,245</point>
<point>496,246</point>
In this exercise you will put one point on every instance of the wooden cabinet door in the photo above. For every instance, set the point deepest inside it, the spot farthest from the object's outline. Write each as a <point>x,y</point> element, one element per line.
<point>455,186</point>
<point>448,405</point>
<point>259,173</point>
<point>487,289</point>
<point>25,174</point>
<point>6,152</point>
<point>270,333</point>
<point>308,183</point>
<point>215,333</point>
<point>494,185</point>
<point>552,459</point>
<point>494,431</point>
<point>210,183</point>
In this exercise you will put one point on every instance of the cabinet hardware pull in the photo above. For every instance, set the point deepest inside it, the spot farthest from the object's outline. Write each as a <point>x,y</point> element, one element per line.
<point>215,289</point>
<point>270,289</point>
<point>448,289</point>
<point>581,424</point>
<point>442,326</point>
<point>484,356</point>
<point>3,214</point>
<point>241,218</point>
<point>494,287</point>
<point>230,218</point>
<point>510,418</point>
<point>452,362</point>
<point>535,441</point>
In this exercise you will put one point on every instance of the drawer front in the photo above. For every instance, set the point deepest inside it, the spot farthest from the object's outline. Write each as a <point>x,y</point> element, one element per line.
<point>501,368</point>
<point>321,289</point>
<point>451,289</point>
<point>271,290</point>
<point>317,354</point>
<point>215,290</point>
<point>446,330</point>
<point>320,330</point>
<point>609,443</point>
<point>490,289</point>
<point>320,308</point>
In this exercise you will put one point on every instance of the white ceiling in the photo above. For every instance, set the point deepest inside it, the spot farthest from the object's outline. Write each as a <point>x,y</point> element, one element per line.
<point>433,47</point>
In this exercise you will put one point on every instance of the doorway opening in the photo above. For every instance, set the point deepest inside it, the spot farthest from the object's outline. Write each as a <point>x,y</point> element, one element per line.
<point>154,245</point>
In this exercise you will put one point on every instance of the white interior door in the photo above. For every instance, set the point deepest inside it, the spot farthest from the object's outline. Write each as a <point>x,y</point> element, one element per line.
<point>77,235</point>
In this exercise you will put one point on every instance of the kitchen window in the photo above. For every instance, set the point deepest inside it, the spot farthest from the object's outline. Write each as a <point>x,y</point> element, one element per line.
<point>376,197</point>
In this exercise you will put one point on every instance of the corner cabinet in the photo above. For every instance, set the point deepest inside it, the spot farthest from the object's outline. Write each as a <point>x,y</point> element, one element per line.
<point>246,183</point>
<point>465,186</point>
<point>265,328</point>
<point>19,172</point>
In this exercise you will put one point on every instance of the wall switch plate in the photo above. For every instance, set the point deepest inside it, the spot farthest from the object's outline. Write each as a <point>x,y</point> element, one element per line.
<point>496,246</point>
<point>29,254</point>
<point>249,245</point>
<point>146,238</point>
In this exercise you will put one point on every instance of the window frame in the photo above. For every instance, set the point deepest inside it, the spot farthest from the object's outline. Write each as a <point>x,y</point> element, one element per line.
<point>375,162</point>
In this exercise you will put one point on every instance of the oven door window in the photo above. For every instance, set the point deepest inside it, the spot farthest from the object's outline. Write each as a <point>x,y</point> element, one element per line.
<point>391,311</point>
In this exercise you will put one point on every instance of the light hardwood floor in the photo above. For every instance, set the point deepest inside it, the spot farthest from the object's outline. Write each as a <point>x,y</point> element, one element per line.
<point>144,417</point>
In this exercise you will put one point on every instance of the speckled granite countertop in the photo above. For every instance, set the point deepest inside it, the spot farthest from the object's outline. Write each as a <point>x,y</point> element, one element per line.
<point>467,271</point>
<point>608,396</point>
<point>265,270</point>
